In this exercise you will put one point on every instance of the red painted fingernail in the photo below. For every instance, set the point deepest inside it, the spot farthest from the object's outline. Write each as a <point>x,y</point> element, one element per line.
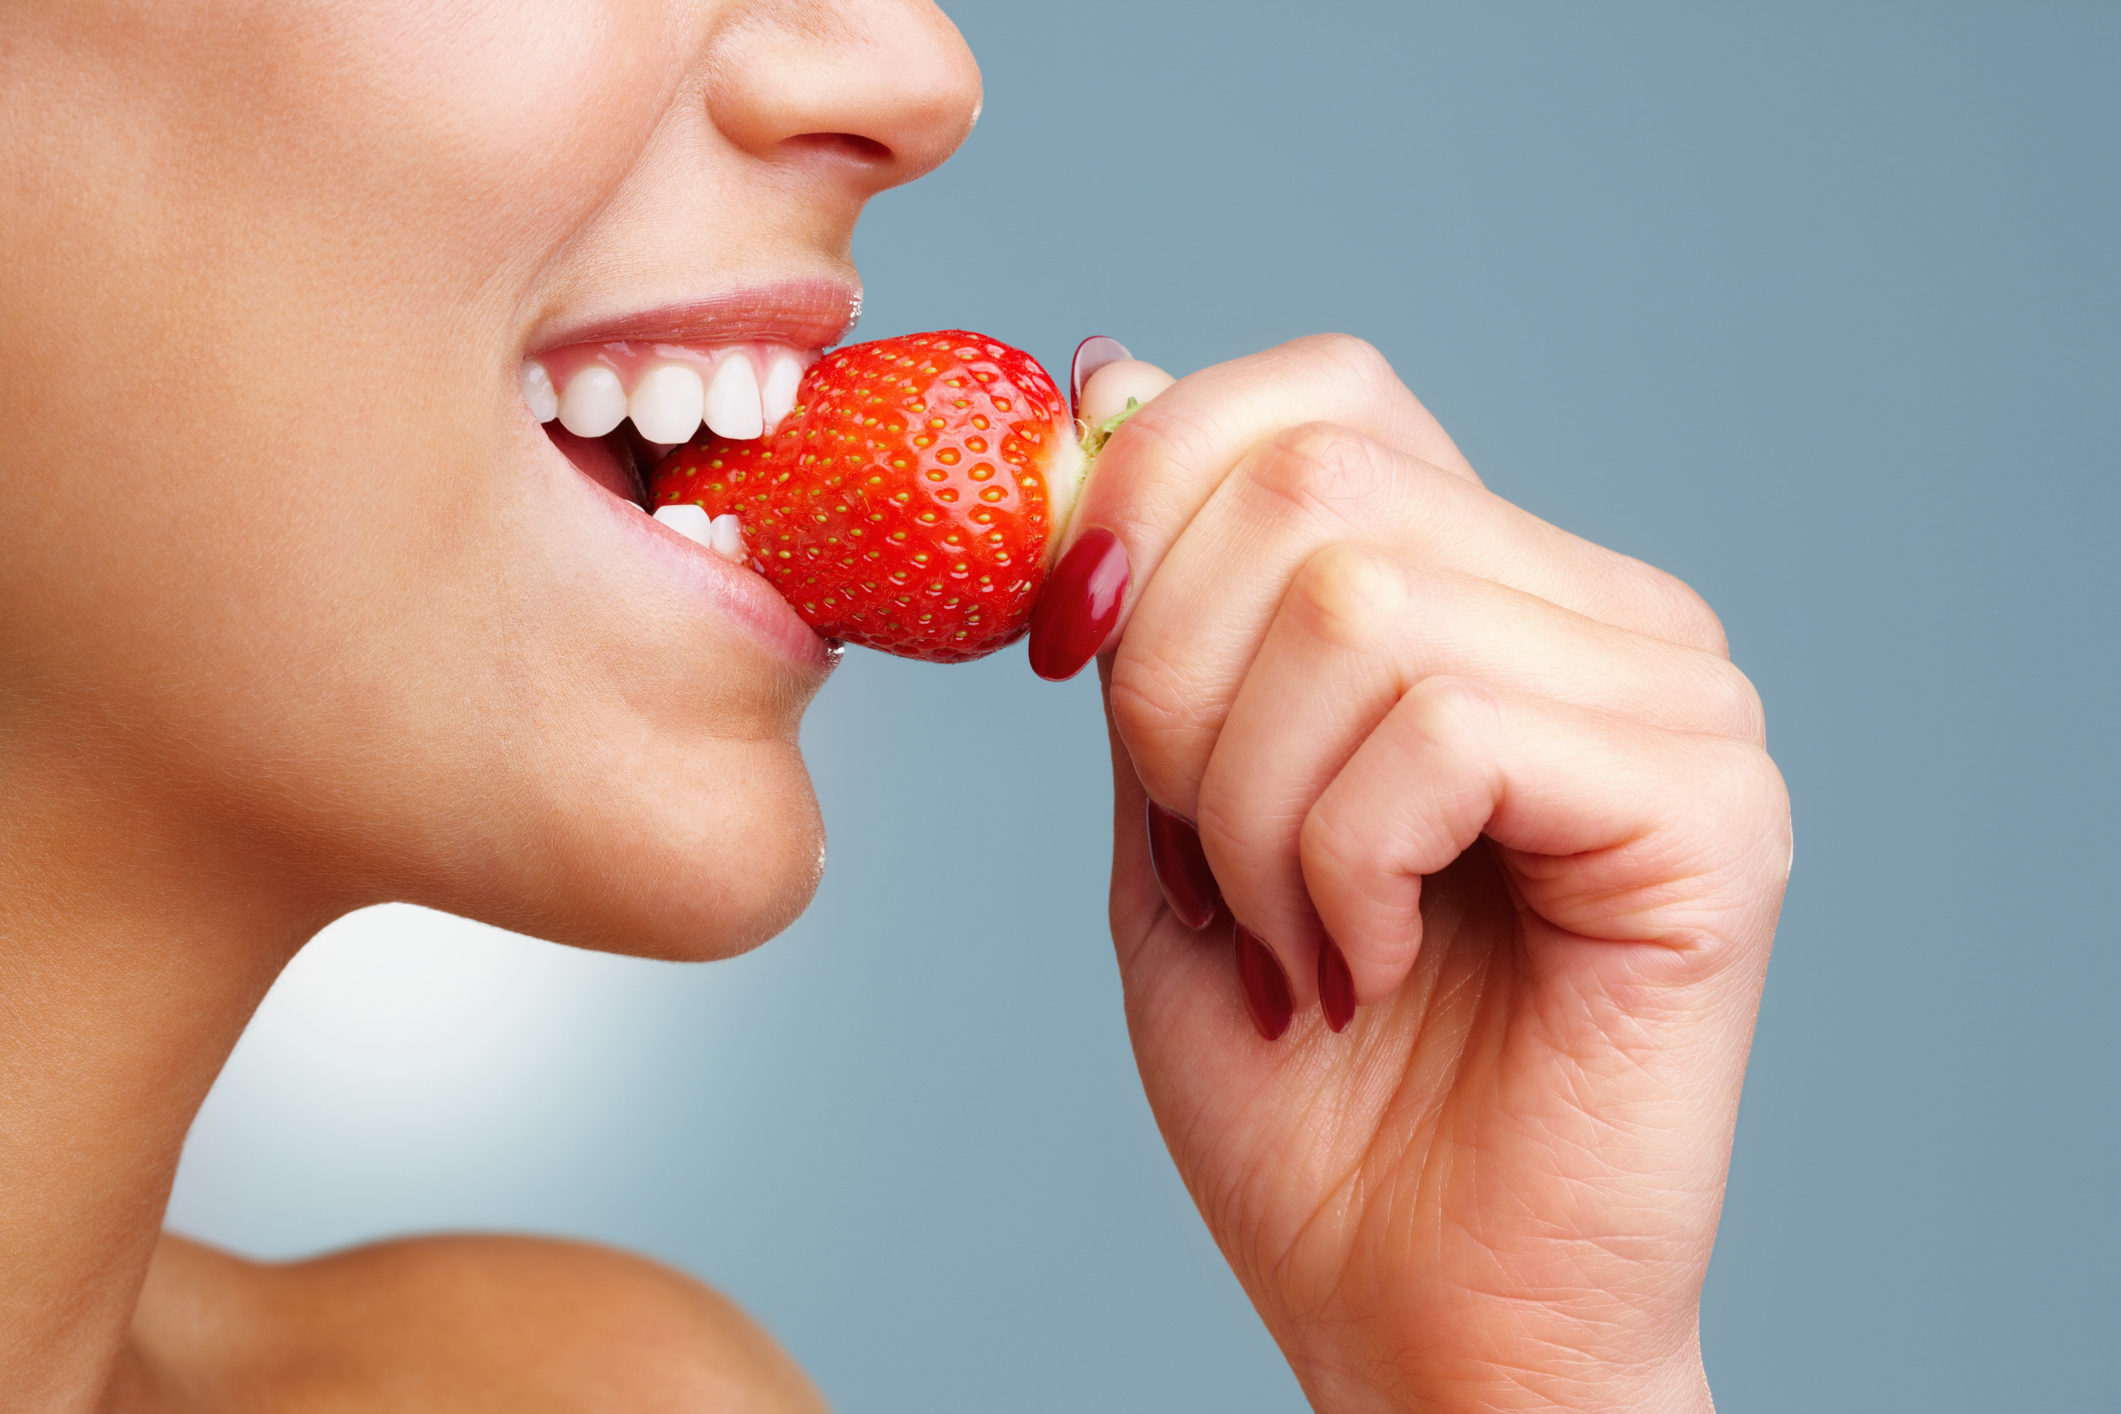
<point>1266,985</point>
<point>1078,606</point>
<point>1336,986</point>
<point>1182,868</point>
<point>1091,354</point>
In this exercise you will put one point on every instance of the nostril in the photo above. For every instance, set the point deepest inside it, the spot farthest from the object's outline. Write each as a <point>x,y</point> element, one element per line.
<point>850,145</point>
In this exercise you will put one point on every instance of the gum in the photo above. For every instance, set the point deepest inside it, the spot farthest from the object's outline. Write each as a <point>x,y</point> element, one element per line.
<point>632,358</point>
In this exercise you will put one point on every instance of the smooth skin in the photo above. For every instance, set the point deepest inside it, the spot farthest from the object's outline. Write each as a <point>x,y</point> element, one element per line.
<point>299,611</point>
<point>1515,779</point>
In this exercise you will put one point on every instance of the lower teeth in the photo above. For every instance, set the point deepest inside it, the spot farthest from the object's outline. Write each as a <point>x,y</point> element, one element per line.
<point>721,534</point>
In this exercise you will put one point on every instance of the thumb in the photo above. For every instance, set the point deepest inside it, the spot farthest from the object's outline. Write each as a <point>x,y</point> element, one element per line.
<point>1081,602</point>
<point>1106,391</point>
<point>1105,380</point>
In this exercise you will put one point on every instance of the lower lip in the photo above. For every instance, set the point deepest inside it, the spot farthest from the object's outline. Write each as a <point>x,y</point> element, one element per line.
<point>730,592</point>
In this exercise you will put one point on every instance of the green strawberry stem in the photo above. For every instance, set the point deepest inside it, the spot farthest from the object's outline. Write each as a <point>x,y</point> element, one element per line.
<point>1102,433</point>
<point>1093,442</point>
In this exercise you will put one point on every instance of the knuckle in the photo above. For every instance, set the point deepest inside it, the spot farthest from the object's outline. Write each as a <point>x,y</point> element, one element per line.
<point>1678,610</point>
<point>1746,783</point>
<point>1766,790</point>
<point>1454,712</point>
<point>1350,357</point>
<point>1738,710</point>
<point>1349,597</point>
<point>1319,469</point>
<point>1759,801</point>
<point>1778,787</point>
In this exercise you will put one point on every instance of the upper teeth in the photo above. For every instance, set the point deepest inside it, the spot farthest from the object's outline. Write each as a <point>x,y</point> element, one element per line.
<point>670,398</point>
<point>666,404</point>
<point>593,402</point>
<point>732,403</point>
<point>537,391</point>
<point>783,373</point>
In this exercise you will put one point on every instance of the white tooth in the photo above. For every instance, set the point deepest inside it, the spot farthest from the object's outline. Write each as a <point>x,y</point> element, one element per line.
<point>665,405</point>
<point>778,396</point>
<point>537,391</point>
<point>594,403</point>
<point>733,399</point>
<point>728,538</point>
<point>688,521</point>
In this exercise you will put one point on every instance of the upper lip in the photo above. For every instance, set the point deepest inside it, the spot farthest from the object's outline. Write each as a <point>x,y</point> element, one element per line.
<point>799,314</point>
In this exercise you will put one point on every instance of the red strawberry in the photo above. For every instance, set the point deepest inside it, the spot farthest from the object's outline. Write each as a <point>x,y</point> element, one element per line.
<point>912,499</point>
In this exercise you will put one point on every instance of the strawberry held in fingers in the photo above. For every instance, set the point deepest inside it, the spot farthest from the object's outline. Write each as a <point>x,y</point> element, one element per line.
<point>911,501</point>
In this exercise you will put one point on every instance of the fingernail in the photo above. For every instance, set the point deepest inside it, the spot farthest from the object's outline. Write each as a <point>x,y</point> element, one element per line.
<point>1091,354</point>
<point>1078,606</point>
<point>1336,986</point>
<point>1182,868</point>
<point>1266,985</point>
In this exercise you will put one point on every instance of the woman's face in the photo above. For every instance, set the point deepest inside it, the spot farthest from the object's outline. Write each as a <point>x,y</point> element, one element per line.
<point>285,560</point>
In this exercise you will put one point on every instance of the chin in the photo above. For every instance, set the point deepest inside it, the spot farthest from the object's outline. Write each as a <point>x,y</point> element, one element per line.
<point>717,883</point>
<point>681,865</point>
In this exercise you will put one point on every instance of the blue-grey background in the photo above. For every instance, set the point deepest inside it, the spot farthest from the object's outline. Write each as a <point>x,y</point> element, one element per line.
<point>1815,305</point>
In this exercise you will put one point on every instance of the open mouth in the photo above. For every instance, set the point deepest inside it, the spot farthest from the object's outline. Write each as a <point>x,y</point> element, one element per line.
<point>616,408</point>
<point>617,395</point>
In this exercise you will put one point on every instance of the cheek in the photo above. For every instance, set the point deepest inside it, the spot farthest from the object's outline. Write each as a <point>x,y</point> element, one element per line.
<point>299,561</point>
<point>302,257</point>
<point>473,136</point>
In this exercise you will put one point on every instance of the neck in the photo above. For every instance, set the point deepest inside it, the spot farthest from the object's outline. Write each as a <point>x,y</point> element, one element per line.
<point>132,952</point>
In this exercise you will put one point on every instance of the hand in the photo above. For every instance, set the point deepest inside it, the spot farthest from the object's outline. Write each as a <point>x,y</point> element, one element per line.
<point>1493,790</point>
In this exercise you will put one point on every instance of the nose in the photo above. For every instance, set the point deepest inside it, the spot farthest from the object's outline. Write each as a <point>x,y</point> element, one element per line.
<point>876,91</point>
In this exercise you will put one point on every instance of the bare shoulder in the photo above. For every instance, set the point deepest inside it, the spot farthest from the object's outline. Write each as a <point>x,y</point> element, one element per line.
<point>466,1324</point>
